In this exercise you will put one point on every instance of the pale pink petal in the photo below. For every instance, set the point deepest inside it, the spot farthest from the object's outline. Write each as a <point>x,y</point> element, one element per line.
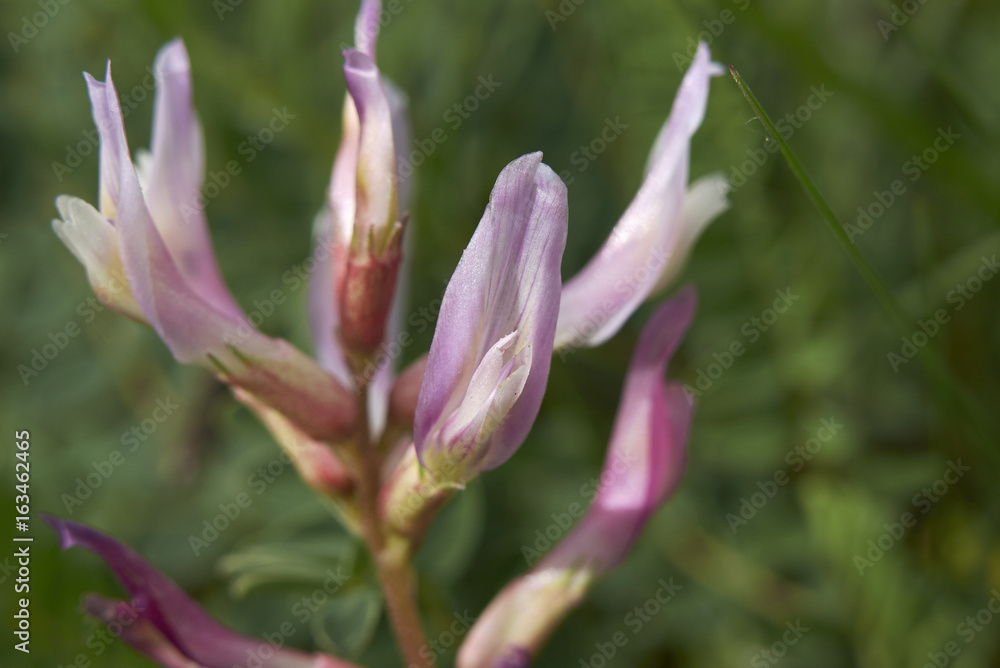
<point>507,282</point>
<point>177,171</point>
<point>377,209</point>
<point>648,237</point>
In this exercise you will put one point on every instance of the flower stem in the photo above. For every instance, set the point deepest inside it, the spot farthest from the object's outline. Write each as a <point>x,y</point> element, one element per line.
<point>391,555</point>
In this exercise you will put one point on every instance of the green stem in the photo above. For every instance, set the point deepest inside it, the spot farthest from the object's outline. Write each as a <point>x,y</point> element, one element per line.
<point>391,556</point>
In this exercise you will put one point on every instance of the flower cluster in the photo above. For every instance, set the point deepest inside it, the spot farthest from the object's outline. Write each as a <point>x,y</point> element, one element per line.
<point>390,449</point>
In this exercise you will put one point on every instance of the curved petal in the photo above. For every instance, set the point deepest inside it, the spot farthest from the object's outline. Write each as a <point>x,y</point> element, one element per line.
<point>329,255</point>
<point>377,210</point>
<point>399,110</point>
<point>600,298</point>
<point>197,332</point>
<point>506,285</point>
<point>642,468</point>
<point>704,202</point>
<point>111,129</point>
<point>366,27</point>
<point>93,240</point>
<point>168,623</point>
<point>177,170</point>
<point>136,630</point>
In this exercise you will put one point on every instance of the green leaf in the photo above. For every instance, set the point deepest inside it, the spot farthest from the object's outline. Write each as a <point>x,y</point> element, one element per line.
<point>346,625</point>
<point>304,561</point>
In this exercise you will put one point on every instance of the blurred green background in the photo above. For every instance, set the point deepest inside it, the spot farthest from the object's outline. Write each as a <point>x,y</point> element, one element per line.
<point>791,561</point>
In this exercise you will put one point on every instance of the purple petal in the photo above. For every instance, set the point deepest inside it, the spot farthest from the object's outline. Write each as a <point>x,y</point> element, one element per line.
<point>366,27</point>
<point>646,455</point>
<point>176,174</point>
<point>111,129</point>
<point>496,322</point>
<point>198,332</point>
<point>516,657</point>
<point>136,630</point>
<point>172,623</point>
<point>402,136</point>
<point>330,260</point>
<point>377,209</point>
<point>646,240</point>
<point>334,230</point>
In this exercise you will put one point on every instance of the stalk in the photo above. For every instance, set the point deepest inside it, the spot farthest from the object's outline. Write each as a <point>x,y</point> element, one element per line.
<point>391,555</point>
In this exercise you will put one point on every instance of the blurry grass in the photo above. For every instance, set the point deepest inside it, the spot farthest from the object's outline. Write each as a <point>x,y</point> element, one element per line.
<point>948,387</point>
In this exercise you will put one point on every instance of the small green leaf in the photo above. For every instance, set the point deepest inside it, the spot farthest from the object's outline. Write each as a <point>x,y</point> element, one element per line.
<point>346,625</point>
<point>303,561</point>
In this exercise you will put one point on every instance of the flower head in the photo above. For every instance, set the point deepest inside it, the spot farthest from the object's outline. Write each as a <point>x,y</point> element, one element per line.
<point>148,251</point>
<point>489,360</point>
<point>356,293</point>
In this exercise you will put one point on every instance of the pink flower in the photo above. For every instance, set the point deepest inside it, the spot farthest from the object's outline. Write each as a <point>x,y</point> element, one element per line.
<point>489,360</point>
<point>148,255</point>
